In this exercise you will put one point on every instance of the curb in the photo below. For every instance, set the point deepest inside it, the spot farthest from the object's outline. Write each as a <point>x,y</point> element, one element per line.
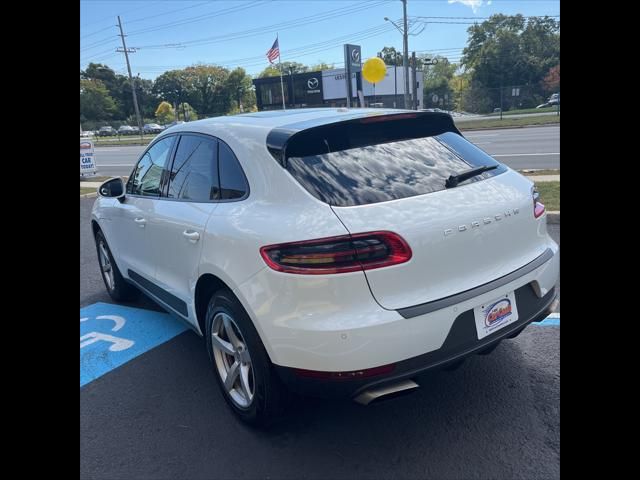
<point>553,217</point>
<point>89,195</point>
<point>474,129</point>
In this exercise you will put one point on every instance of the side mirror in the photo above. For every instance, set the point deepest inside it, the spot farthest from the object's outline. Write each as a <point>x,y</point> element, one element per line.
<point>113,188</point>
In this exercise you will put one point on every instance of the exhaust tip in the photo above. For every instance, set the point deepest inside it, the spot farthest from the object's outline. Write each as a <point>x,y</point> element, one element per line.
<point>386,392</point>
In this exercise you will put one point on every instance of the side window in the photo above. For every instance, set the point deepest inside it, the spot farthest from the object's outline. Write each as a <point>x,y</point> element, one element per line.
<point>233,183</point>
<point>194,173</point>
<point>145,179</point>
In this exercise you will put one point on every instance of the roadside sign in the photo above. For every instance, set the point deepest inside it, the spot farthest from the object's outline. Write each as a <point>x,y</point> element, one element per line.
<point>434,98</point>
<point>353,57</point>
<point>87,158</point>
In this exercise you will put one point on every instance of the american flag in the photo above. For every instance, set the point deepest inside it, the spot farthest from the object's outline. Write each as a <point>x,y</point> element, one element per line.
<point>273,52</point>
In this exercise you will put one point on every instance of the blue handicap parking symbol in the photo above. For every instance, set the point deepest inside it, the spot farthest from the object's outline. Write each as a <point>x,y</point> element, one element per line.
<point>111,335</point>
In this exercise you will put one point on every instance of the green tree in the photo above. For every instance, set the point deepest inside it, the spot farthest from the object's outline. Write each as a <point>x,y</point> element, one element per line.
<point>95,101</point>
<point>165,113</point>
<point>240,90</point>
<point>437,81</point>
<point>186,112</point>
<point>321,66</point>
<point>171,86</point>
<point>205,89</point>
<point>287,67</point>
<point>508,51</point>
<point>458,85</point>
<point>391,56</point>
<point>551,81</point>
<point>146,98</point>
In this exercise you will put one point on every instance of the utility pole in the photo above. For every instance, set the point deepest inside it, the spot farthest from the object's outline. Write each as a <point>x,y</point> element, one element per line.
<point>414,103</point>
<point>405,55</point>
<point>395,78</point>
<point>500,97</point>
<point>133,86</point>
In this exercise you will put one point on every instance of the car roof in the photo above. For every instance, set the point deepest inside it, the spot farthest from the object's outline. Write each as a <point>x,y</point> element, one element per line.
<point>280,118</point>
<point>274,128</point>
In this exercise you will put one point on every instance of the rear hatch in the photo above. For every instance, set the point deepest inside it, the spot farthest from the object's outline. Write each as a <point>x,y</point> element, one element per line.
<point>390,174</point>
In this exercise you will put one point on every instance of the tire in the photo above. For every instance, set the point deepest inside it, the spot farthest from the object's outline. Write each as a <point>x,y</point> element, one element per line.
<point>118,288</point>
<point>267,397</point>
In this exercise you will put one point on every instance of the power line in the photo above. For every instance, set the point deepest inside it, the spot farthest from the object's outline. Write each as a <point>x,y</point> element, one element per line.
<point>96,32</point>
<point>99,43</point>
<point>93,55</point>
<point>483,18</point>
<point>145,5</point>
<point>141,19</point>
<point>106,40</point>
<point>301,51</point>
<point>302,21</point>
<point>199,18</point>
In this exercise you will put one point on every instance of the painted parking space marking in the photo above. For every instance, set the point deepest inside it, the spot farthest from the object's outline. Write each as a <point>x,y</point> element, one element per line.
<point>111,335</point>
<point>553,320</point>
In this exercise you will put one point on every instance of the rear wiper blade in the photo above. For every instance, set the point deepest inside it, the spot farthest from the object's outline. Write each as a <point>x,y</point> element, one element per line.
<point>454,180</point>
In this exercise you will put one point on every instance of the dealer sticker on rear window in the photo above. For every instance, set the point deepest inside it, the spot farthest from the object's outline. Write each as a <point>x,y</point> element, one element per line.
<point>496,314</point>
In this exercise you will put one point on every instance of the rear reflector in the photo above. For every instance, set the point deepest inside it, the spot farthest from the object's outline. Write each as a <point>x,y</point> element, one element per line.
<point>345,253</point>
<point>354,374</point>
<point>538,207</point>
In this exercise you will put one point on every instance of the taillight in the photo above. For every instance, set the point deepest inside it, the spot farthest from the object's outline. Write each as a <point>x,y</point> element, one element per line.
<point>538,207</point>
<point>345,253</point>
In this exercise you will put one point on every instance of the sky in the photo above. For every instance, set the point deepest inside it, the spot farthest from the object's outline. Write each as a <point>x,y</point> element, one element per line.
<point>173,34</point>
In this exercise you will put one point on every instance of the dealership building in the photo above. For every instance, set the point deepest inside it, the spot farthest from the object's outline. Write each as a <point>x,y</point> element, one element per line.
<point>328,88</point>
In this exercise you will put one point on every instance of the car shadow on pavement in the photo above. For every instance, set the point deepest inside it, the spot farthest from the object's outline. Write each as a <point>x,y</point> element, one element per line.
<point>162,416</point>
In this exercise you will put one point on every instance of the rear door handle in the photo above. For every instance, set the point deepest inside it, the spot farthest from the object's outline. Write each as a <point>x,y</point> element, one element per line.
<point>193,237</point>
<point>140,221</point>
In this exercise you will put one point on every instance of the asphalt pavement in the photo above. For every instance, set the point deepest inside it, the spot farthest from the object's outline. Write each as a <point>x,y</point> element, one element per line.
<point>161,415</point>
<point>520,148</point>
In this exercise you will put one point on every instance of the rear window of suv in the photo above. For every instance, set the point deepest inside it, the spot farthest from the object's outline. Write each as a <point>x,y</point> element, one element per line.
<point>388,171</point>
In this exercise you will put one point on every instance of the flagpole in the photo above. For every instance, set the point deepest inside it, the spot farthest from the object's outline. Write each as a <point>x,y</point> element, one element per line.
<point>280,66</point>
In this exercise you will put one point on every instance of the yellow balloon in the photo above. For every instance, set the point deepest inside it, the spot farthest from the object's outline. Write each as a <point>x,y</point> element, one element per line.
<point>374,70</point>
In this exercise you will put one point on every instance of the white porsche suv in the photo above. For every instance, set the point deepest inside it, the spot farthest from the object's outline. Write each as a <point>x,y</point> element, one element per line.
<point>329,252</point>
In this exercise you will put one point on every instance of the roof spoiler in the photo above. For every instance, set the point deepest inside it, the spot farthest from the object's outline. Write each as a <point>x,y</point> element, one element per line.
<point>324,135</point>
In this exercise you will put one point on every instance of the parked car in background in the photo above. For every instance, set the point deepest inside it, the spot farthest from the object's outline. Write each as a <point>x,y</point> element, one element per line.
<point>126,130</point>
<point>106,131</point>
<point>552,101</point>
<point>152,128</point>
<point>332,252</point>
<point>177,122</point>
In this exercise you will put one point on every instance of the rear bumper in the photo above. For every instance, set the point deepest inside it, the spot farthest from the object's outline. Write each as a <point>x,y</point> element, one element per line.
<point>460,343</point>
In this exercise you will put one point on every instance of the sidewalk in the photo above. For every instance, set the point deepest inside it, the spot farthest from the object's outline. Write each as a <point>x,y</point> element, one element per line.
<point>544,178</point>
